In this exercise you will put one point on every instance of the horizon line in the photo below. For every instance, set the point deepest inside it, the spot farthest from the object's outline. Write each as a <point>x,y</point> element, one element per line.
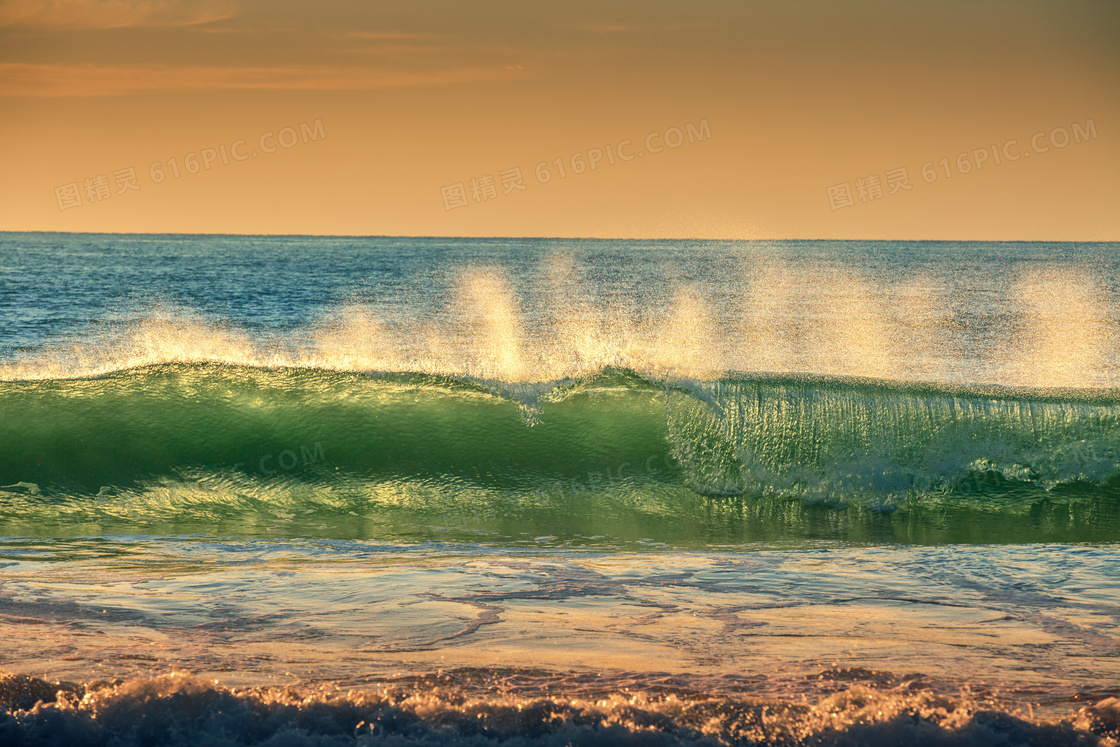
<point>543,238</point>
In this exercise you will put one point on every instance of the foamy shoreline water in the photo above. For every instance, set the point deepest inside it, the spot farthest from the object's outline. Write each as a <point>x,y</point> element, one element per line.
<point>1036,621</point>
<point>481,707</point>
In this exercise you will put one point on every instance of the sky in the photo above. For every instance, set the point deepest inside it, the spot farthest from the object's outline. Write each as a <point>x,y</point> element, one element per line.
<point>746,119</point>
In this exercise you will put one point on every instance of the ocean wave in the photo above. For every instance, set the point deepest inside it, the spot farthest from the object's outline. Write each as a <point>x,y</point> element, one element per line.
<point>532,311</point>
<point>729,435</point>
<point>210,440</point>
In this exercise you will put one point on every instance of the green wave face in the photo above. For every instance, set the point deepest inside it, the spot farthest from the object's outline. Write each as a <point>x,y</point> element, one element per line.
<point>614,460</point>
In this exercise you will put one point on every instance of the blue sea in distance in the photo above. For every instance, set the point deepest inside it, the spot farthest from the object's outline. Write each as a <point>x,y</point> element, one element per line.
<point>323,490</point>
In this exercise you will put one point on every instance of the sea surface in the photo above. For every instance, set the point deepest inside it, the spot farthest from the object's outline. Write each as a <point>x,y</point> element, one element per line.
<point>407,491</point>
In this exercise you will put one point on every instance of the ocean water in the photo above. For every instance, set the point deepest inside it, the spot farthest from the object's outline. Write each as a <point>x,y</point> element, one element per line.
<point>308,490</point>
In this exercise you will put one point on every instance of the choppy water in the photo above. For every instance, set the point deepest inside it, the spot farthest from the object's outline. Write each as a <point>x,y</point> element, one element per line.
<point>564,491</point>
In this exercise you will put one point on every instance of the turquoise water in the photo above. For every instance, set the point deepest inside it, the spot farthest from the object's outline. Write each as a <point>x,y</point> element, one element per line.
<point>333,490</point>
<point>609,461</point>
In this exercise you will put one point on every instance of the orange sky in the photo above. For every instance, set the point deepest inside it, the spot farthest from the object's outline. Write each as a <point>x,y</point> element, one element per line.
<point>413,98</point>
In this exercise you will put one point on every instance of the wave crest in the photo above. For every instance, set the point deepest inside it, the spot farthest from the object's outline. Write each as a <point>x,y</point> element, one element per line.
<point>609,458</point>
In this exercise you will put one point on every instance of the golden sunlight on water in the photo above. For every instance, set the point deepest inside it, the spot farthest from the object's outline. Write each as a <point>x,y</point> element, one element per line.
<point>1054,331</point>
<point>585,335</point>
<point>687,347</point>
<point>767,319</point>
<point>1066,332</point>
<point>355,339</point>
<point>850,336</point>
<point>494,326</point>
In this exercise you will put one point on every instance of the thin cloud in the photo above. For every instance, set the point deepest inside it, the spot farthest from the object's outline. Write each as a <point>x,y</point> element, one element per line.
<point>613,28</point>
<point>372,36</point>
<point>272,28</point>
<point>493,52</point>
<point>55,81</point>
<point>111,14</point>
<point>389,35</point>
<point>609,29</point>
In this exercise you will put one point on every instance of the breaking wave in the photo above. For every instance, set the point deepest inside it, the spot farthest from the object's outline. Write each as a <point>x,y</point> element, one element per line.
<point>202,441</point>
